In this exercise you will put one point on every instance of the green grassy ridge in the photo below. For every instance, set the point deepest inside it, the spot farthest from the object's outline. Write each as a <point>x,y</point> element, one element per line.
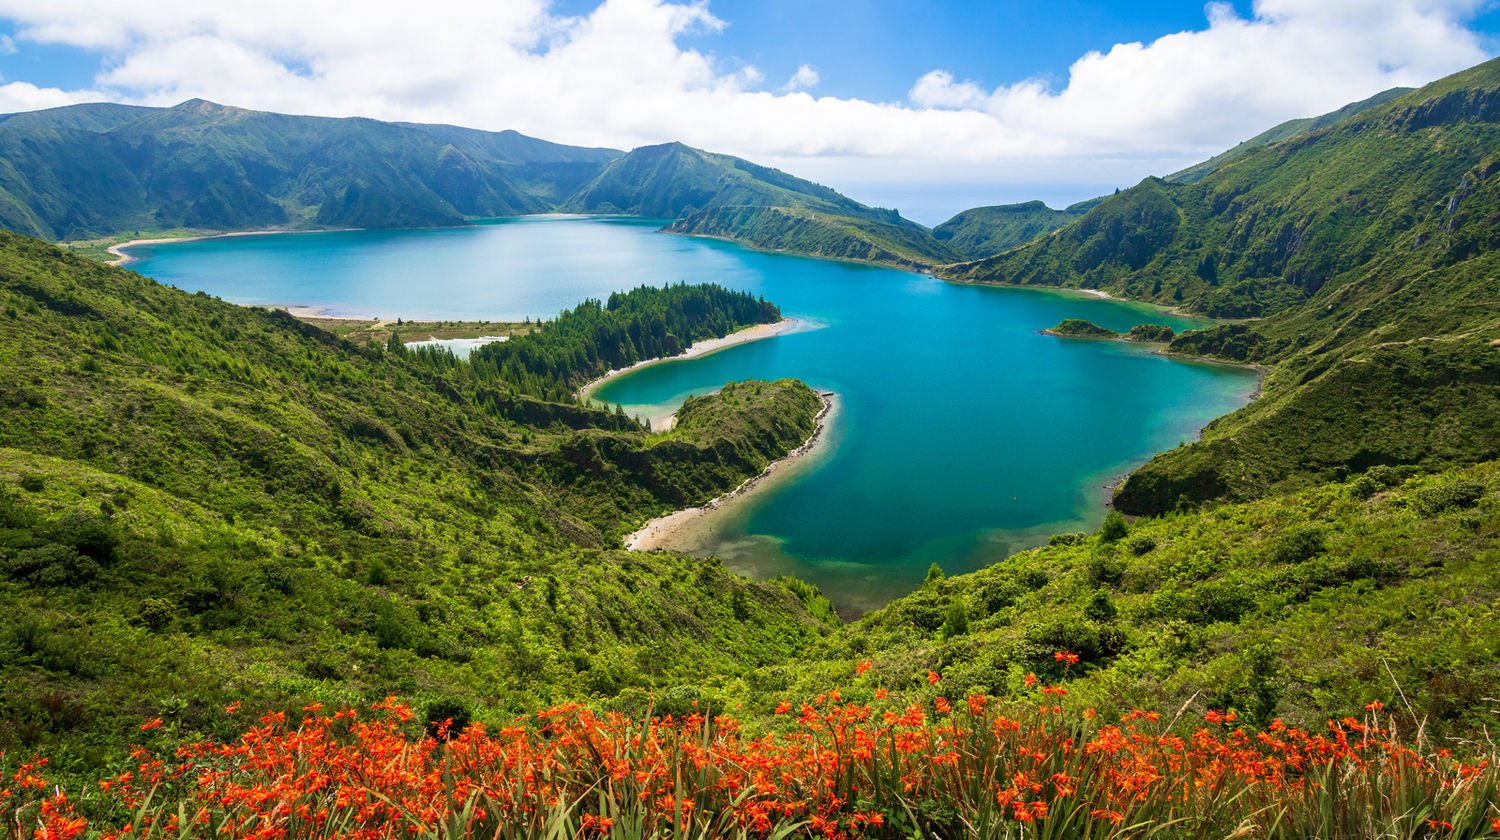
<point>820,234</point>
<point>1291,222</point>
<point>1425,403</point>
<point>1290,607</point>
<point>1284,131</point>
<point>291,516</point>
<point>986,231</point>
<point>671,180</point>
<point>93,170</point>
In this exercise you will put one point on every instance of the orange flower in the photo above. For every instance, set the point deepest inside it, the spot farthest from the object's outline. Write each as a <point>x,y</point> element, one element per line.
<point>1374,706</point>
<point>150,724</point>
<point>863,667</point>
<point>1030,680</point>
<point>932,678</point>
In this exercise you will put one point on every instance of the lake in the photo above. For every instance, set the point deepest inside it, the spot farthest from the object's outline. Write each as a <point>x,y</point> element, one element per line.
<point>962,434</point>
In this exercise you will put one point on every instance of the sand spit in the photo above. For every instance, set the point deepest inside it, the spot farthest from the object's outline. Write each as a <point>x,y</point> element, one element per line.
<point>659,532</point>
<point>706,346</point>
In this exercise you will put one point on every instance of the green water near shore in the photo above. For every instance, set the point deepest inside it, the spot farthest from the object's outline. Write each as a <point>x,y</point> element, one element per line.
<point>962,433</point>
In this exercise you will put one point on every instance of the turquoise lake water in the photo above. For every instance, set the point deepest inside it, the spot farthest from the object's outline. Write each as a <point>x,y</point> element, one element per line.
<point>961,435</point>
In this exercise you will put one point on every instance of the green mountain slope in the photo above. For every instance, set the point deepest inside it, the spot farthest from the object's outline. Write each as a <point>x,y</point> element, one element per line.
<point>201,502</point>
<point>717,195</point>
<point>987,231</point>
<point>1284,131</point>
<point>94,170</point>
<point>92,116</point>
<point>1352,243</point>
<point>91,171</point>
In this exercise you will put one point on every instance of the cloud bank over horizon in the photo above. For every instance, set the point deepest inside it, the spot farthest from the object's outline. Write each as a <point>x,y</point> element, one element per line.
<point>619,76</point>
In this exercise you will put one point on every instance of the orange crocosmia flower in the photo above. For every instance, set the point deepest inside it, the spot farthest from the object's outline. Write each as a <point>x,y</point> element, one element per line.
<point>783,707</point>
<point>150,724</point>
<point>863,667</point>
<point>232,707</point>
<point>932,677</point>
<point>880,693</point>
<point>1030,680</point>
<point>1374,706</point>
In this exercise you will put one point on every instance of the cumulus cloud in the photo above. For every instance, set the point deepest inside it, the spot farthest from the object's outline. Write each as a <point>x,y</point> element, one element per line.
<point>620,76</point>
<point>805,77</point>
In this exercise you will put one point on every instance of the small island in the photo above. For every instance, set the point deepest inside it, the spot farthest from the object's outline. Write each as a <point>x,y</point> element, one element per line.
<point>1079,328</point>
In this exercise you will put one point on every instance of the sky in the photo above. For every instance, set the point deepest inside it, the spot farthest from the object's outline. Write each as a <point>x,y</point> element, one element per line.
<point>922,105</point>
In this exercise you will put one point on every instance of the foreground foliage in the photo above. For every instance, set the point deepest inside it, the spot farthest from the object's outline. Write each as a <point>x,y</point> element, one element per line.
<point>1038,767</point>
<point>201,502</point>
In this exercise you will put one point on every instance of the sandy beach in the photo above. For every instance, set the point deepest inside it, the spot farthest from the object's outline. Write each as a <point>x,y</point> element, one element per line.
<point>660,531</point>
<point>703,348</point>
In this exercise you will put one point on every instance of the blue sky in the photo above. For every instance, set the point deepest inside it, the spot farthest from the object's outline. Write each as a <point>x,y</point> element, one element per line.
<point>928,106</point>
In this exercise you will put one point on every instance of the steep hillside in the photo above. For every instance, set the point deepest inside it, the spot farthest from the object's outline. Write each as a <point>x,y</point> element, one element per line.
<point>93,170</point>
<point>717,195</point>
<point>987,231</point>
<point>1284,131</point>
<point>899,243</point>
<point>201,503</point>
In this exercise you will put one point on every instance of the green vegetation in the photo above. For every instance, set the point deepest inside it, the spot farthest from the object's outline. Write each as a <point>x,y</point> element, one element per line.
<point>1079,328</point>
<point>87,171</point>
<point>553,360</point>
<point>1284,131</point>
<point>718,195</point>
<point>1299,607</point>
<point>202,503</point>
<point>987,231</point>
<point>1151,333</point>
<point>894,242</point>
<point>1423,403</point>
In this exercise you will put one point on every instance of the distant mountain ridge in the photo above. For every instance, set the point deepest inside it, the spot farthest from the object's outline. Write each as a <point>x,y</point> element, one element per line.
<point>99,169</point>
<point>86,171</point>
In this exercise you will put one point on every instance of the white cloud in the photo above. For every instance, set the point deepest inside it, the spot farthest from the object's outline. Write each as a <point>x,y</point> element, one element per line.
<point>24,96</point>
<point>619,76</point>
<point>805,77</point>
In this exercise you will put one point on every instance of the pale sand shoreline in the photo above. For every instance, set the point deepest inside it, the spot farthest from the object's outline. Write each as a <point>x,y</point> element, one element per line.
<point>661,530</point>
<point>704,347</point>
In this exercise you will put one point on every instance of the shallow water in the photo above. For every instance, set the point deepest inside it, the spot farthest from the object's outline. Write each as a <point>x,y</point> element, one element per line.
<point>963,434</point>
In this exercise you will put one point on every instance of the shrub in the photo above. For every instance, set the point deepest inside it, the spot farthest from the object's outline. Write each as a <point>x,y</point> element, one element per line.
<point>1460,494</point>
<point>1114,528</point>
<point>1299,545</point>
<point>957,621</point>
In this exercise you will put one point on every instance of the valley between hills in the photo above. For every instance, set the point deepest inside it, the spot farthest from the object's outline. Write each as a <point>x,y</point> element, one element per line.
<point>207,507</point>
